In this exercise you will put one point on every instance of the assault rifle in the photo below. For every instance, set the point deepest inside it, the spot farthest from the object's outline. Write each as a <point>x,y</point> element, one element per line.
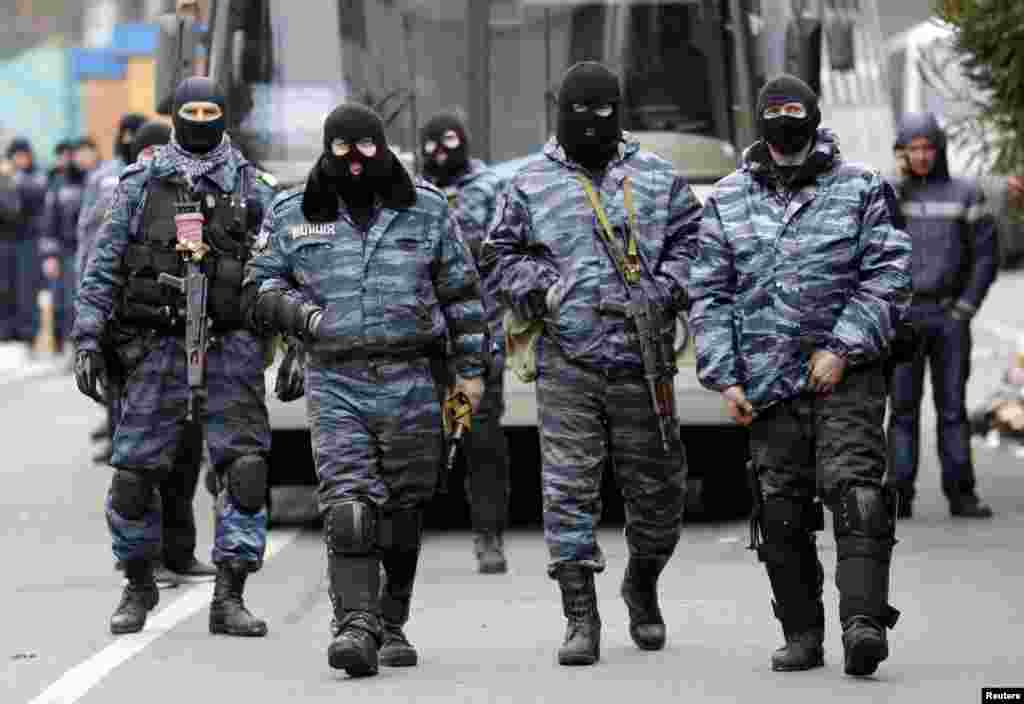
<point>194,286</point>
<point>659,362</point>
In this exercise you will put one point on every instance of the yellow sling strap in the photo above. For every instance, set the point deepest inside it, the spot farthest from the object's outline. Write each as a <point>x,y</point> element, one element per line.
<point>628,264</point>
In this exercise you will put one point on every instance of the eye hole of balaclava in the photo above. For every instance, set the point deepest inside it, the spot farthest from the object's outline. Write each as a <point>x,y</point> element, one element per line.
<point>356,154</point>
<point>199,119</point>
<point>787,114</point>
<point>445,149</point>
<point>589,120</point>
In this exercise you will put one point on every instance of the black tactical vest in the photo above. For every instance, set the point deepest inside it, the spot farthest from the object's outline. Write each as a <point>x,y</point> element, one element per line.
<point>148,303</point>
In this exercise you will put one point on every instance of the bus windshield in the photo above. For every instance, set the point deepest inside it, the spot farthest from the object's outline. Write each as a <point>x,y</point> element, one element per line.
<point>284,69</point>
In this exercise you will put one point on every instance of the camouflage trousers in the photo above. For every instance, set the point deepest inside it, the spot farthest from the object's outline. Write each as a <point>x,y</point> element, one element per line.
<point>376,432</point>
<point>488,482</point>
<point>148,435</point>
<point>588,418</point>
<point>815,445</point>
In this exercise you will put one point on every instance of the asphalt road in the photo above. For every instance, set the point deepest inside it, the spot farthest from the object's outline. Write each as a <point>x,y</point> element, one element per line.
<point>958,584</point>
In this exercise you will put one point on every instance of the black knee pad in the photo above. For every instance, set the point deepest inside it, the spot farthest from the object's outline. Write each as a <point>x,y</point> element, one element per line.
<point>130,494</point>
<point>864,522</point>
<point>246,479</point>
<point>350,528</point>
<point>400,529</point>
<point>788,524</point>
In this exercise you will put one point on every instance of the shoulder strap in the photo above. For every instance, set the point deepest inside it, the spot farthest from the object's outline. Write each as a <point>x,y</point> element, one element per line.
<point>628,262</point>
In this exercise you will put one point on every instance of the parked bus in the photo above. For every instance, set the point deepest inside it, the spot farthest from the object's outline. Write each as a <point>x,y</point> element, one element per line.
<point>690,72</point>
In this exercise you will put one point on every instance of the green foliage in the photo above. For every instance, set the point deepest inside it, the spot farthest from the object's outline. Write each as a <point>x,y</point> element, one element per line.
<point>990,37</point>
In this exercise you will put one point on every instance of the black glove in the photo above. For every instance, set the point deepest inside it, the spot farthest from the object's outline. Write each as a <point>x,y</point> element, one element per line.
<point>291,375</point>
<point>91,374</point>
<point>288,313</point>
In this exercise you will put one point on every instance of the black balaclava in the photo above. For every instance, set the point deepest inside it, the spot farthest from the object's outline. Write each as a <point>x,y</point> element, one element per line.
<point>198,137</point>
<point>126,129</point>
<point>153,133</point>
<point>352,123</point>
<point>592,84</point>
<point>457,160</point>
<point>788,135</point>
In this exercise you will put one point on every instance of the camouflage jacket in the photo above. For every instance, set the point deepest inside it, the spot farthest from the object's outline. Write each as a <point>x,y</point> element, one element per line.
<point>106,273</point>
<point>546,233</point>
<point>472,197</point>
<point>780,273</point>
<point>407,283</point>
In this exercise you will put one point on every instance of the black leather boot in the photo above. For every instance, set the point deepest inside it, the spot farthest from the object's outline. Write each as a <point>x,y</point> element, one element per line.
<point>582,644</point>
<point>489,547</point>
<point>640,592</point>
<point>140,596</point>
<point>399,575</point>
<point>968,506</point>
<point>804,648</point>
<point>864,645</point>
<point>356,628</point>
<point>228,614</point>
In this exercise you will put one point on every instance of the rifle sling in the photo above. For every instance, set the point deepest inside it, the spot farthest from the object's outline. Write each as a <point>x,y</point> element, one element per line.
<point>627,263</point>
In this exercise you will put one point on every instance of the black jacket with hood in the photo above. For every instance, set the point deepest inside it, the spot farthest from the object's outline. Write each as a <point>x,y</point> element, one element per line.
<point>953,234</point>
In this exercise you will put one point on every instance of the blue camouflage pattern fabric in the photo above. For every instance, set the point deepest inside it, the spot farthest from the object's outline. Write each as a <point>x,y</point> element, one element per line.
<point>593,404</point>
<point>402,288</point>
<point>775,278</point>
<point>154,399</point>
<point>488,482</point>
<point>96,199</point>
<point>545,232</point>
<point>472,199</point>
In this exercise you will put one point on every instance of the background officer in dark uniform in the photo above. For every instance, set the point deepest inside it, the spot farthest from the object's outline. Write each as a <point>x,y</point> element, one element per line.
<point>796,289</point>
<point>137,243</point>
<point>955,260</point>
<point>369,270</point>
<point>471,190</point>
<point>31,185</point>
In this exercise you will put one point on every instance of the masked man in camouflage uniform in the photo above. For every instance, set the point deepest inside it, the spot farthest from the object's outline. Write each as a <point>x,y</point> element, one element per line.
<point>471,189</point>
<point>136,244</point>
<point>547,260</point>
<point>795,292</point>
<point>369,271</point>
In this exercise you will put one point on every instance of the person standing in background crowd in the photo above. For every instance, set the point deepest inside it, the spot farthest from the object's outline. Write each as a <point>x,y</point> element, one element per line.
<point>10,214</point>
<point>367,268</point>
<point>61,159</point>
<point>471,190</point>
<point>102,181</point>
<point>798,284</point>
<point>955,260</point>
<point>550,256</point>
<point>31,185</point>
<point>57,242</point>
<point>124,308</point>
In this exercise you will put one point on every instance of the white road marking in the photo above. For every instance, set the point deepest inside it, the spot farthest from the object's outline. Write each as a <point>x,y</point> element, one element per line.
<point>77,681</point>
